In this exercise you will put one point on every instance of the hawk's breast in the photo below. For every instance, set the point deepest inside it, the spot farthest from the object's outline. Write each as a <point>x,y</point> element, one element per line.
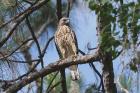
<point>64,34</point>
<point>64,40</point>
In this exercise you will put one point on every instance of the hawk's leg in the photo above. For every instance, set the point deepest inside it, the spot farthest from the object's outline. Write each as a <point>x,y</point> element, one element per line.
<point>74,57</point>
<point>74,69</point>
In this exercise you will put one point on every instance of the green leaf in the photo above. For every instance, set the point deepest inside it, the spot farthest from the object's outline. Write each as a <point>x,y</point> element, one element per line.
<point>133,67</point>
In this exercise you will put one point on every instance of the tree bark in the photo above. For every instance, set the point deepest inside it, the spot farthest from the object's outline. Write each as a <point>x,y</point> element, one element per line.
<point>49,69</point>
<point>108,74</point>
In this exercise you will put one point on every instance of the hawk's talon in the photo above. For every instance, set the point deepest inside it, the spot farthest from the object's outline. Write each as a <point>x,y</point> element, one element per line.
<point>74,57</point>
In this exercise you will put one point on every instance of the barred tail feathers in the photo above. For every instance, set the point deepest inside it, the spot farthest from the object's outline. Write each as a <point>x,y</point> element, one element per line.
<point>74,72</point>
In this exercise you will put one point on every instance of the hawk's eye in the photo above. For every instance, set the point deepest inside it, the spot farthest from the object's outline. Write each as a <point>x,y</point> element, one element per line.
<point>65,20</point>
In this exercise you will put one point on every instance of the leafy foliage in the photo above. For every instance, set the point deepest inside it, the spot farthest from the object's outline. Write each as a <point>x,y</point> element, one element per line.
<point>121,26</point>
<point>120,31</point>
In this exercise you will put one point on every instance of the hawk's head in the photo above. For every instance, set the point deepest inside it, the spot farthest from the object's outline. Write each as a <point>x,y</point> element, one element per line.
<point>64,21</point>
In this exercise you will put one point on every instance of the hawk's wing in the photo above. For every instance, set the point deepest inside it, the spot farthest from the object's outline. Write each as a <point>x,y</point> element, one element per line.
<point>58,50</point>
<point>57,47</point>
<point>74,41</point>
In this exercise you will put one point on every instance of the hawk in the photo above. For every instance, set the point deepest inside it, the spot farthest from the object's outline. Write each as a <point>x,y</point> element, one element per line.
<point>66,44</point>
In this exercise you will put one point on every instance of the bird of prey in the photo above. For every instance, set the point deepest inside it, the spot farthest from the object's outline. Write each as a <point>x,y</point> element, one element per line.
<point>66,44</point>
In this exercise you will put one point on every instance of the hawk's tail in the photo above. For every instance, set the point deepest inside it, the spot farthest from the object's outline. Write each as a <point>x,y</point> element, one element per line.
<point>74,73</point>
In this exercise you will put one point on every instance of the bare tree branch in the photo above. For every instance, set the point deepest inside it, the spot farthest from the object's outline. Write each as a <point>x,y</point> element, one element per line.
<point>52,68</point>
<point>29,2</point>
<point>96,71</point>
<point>26,74</point>
<point>46,46</point>
<point>100,76</point>
<point>9,33</point>
<point>36,41</point>
<point>19,61</point>
<point>39,32</point>
<point>28,11</point>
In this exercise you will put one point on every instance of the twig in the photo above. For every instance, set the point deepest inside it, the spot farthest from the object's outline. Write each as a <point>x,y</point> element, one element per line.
<point>81,52</point>
<point>118,54</point>
<point>46,46</point>
<point>38,47</point>
<point>39,32</point>
<point>31,3</point>
<point>18,61</point>
<point>9,33</point>
<point>26,74</point>
<point>100,76</point>
<point>47,91</point>
<point>36,41</point>
<point>26,12</point>
<point>16,49</point>
<point>53,86</point>
<point>96,71</point>
<point>89,48</point>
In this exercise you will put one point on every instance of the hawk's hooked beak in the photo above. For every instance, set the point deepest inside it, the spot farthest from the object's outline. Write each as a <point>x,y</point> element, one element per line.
<point>67,21</point>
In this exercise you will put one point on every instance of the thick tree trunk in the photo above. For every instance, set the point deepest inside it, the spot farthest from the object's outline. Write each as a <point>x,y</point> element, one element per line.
<point>104,27</point>
<point>74,87</point>
<point>108,74</point>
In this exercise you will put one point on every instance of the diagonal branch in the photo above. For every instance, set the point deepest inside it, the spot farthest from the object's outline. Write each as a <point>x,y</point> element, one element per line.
<point>47,91</point>
<point>46,45</point>
<point>52,68</point>
<point>96,71</point>
<point>36,41</point>
<point>29,2</point>
<point>9,33</point>
<point>53,86</point>
<point>100,76</point>
<point>38,47</point>
<point>20,61</point>
<point>6,56</point>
